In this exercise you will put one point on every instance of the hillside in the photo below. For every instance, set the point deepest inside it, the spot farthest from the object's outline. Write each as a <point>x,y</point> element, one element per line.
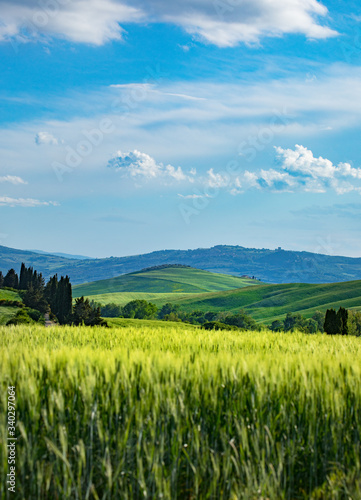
<point>7,312</point>
<point>165,280</point>
<point>268,302</point>
<point>270,266</point>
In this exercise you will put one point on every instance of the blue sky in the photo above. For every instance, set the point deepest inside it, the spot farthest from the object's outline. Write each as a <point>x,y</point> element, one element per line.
<point>128,127</point>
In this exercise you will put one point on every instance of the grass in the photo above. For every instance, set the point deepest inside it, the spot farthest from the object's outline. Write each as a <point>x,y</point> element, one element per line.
<point>178,412</point>
<point>266,303</point>
<point>7,313</point>
<point>169,280</point>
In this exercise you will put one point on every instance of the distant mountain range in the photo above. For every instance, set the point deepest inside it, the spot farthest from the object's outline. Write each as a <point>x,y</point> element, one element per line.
<point>59,254</point>
<point>270,266</point>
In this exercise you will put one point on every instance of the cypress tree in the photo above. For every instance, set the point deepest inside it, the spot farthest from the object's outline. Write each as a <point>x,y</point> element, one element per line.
<point>23,282</point>
<point>1,279</point>
<point>64,300</point>
<point>11,280</point>
<point>332,324</point>
<point>342,316</point>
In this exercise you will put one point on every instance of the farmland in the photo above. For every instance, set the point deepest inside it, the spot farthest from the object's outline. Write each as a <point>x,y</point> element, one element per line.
<point>168,280</point>
<point>188,288</point>
<point>179,412</point>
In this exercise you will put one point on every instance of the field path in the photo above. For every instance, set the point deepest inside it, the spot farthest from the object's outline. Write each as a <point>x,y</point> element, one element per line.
<point>48,321</point>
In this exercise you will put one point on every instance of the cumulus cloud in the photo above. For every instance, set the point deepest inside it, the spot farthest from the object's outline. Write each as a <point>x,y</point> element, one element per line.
<point>137,164</point>
<point>221,22</point>
<point>299,170</point>
<point>12,179</point>
<point>46,138</point>
<point>318,174</point>
<point>25,202</point>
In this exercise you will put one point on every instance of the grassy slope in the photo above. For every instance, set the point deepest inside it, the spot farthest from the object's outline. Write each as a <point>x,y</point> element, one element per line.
<point>159,299</point>
<point>268,302</point>
<point>169,280</point>
<point>7,313</point>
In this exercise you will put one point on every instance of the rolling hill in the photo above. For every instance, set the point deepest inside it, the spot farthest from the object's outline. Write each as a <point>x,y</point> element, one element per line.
<point>164,280</point>
<point>266,303</point>
<point>270,266</point>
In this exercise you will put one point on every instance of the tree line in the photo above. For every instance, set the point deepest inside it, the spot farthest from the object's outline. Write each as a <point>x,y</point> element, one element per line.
<point>54,297</point>
<point>343,322</point>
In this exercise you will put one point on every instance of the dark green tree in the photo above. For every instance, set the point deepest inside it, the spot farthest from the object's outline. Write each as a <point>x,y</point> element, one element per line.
<point>294,321</point>
<point>1,279</point>
<point>34,298</point>
<point>342,316</point>
<point>139,309</point>
<point>63,301</point>
<point>167,309</point>
<point>109,310</point>
<point>241,320</point>
<point>11,280</point>
<point>277,326</point>
<point>332,324</point>
<point>50,292</point>
<point>85,314</point>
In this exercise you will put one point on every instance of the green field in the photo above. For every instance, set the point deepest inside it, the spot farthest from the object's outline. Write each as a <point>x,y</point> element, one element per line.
<point>268,302</point>
<point>123,298</point>
<point>181,413</point>
<point>263,302</point>
<point>168,280</point>
<point>6,312</point>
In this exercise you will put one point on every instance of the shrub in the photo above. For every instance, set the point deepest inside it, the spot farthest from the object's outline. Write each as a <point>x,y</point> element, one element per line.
<point>21,318</point>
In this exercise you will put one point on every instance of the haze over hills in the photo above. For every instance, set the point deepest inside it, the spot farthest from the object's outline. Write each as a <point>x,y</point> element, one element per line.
<point>270,266</point>
<point>59,254</point>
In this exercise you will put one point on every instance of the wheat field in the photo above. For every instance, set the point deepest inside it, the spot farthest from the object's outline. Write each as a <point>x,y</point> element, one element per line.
<point>181,413</point>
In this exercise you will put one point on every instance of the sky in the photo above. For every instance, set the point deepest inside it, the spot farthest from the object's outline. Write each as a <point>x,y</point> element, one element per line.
<point>133,126</point>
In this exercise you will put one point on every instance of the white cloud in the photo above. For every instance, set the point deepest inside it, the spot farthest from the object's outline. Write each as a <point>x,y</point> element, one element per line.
<point>221,22</point>
<point>302,171</point>
<point>46,138</point>
<point>25,202</point>
<point>137,164</point>
<point>83,21</point>
<point>299,171</point>
<point>12,179</point>
<point>216,180</point>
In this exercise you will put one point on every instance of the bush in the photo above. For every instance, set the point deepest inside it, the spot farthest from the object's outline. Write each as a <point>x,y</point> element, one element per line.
<point>10,303</point>
<point>21,318</point>
<point>111,311</point>
<point>139,309</point>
